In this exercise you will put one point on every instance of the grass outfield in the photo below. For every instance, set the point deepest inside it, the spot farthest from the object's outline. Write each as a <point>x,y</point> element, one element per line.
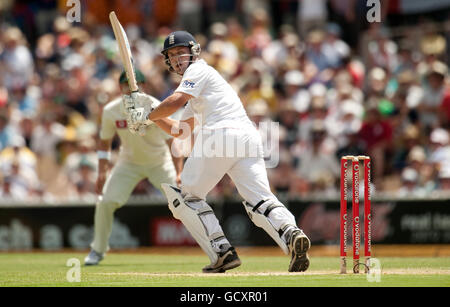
<point>156,269</point>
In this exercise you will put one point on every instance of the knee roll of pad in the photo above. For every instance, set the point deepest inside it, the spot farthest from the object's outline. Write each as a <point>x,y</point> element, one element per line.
<point>198,218</point>
<point>275,227</point>
<point>174,197</point>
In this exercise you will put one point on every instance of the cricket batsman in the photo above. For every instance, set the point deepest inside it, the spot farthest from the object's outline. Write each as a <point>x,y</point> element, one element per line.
<point>215,110</point>
<point>144,153</point>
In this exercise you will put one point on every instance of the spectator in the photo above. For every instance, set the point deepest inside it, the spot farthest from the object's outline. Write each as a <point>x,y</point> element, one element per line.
<point>410,139</point>
<point>7,132</point>
<point>315,51</point>
<point>382,51</point>
<point>18,164</point>
<point>16,59</point>
<point>335,49</point>
<point>405,99</point>
<point>311,14</point>
<point>376,137</point>
<point>432,46</point>
<point>18,152</point>
<point>343,88</point>
<point>317,112</point>
<point>417,160</point>
<point>444,178</point>
<point>26,99</point>
<point>45,138</point>
<point>219,40</point>
<point>295,89</point>
<point>410,184</point>
<point>26,128</point>
<point>433,95</point>
<point>46,135</point>
<point>283,177</point>
<point>84,179</point>
<point>236,33</point>
<point>83,156</point>
<point>288,118</point>
<point>10,191</point>
<point>376,86</point>
<point>259,36</point>
<point>345,125</point>
<point>190,15</point>
<point>317,167</point>
<point>440,149</point>
<point>224,54</point>
<point>259,114</point>
<point>445,108</point>
<point>284,49</point>
<point>257,85</point>
<point>405,57</point>
<point>352,146</point>
<point>343,12</point>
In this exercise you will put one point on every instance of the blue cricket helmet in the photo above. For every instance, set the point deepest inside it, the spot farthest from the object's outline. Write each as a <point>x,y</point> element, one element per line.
<point>180,38</point>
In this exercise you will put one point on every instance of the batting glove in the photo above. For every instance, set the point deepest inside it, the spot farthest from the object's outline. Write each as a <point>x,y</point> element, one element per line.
<point>139,116</point>
<point>137,107</point>
<point>128,103</point>
<point>138,100</point>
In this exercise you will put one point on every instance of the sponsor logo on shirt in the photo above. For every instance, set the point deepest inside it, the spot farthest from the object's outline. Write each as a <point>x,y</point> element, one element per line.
<point>121,124</point>
<point>188,84</point>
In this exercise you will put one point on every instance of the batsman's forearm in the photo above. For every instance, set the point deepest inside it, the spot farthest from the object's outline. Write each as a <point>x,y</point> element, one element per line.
<point>169,106</point>
<point>170,126</point>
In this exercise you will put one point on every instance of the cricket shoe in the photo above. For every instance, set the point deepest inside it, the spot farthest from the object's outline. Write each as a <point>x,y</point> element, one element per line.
<point>228,259</point>
<point>299,245</point>
<point>93,258</point>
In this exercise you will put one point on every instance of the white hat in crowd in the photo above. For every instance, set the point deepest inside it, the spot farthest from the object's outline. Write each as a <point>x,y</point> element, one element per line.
<point>440,136</point>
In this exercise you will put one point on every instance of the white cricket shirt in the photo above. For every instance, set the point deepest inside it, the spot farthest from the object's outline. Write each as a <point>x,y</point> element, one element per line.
<point>215,104</point>
<point>150,149</point>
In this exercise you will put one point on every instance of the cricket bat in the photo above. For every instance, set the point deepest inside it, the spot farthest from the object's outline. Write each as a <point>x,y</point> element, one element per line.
<point>127,59</point>
<point>124,51</point>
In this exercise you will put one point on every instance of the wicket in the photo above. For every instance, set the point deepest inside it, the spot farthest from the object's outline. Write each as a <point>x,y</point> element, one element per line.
<point>355,213</point>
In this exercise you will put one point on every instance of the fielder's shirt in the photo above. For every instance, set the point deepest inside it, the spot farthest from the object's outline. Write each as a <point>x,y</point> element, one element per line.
<point>150,149</point>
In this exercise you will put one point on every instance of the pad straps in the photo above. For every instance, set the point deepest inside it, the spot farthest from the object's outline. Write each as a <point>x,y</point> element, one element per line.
<point>268,209</point>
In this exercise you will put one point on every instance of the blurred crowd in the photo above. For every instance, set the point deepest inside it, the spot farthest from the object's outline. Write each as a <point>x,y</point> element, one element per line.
<point>373,90</point>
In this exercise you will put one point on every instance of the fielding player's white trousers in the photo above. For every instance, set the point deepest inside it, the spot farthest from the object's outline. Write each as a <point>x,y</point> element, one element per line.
<point>117,189</point>
<point>202,172</point>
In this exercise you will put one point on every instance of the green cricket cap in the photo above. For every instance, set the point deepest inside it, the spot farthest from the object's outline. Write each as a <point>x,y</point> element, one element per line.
<point>140,78</point>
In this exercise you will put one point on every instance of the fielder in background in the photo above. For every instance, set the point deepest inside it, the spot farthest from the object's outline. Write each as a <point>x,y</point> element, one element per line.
<point>147,156</point>
<point>218,114</point>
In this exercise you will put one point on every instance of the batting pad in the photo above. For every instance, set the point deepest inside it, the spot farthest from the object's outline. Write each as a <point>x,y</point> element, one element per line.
<point>199,219</point>
<point>274,218</point>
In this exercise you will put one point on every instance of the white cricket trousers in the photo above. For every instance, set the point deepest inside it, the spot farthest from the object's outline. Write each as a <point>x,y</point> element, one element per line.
<point>203,170</point>
<point>117,189</point>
